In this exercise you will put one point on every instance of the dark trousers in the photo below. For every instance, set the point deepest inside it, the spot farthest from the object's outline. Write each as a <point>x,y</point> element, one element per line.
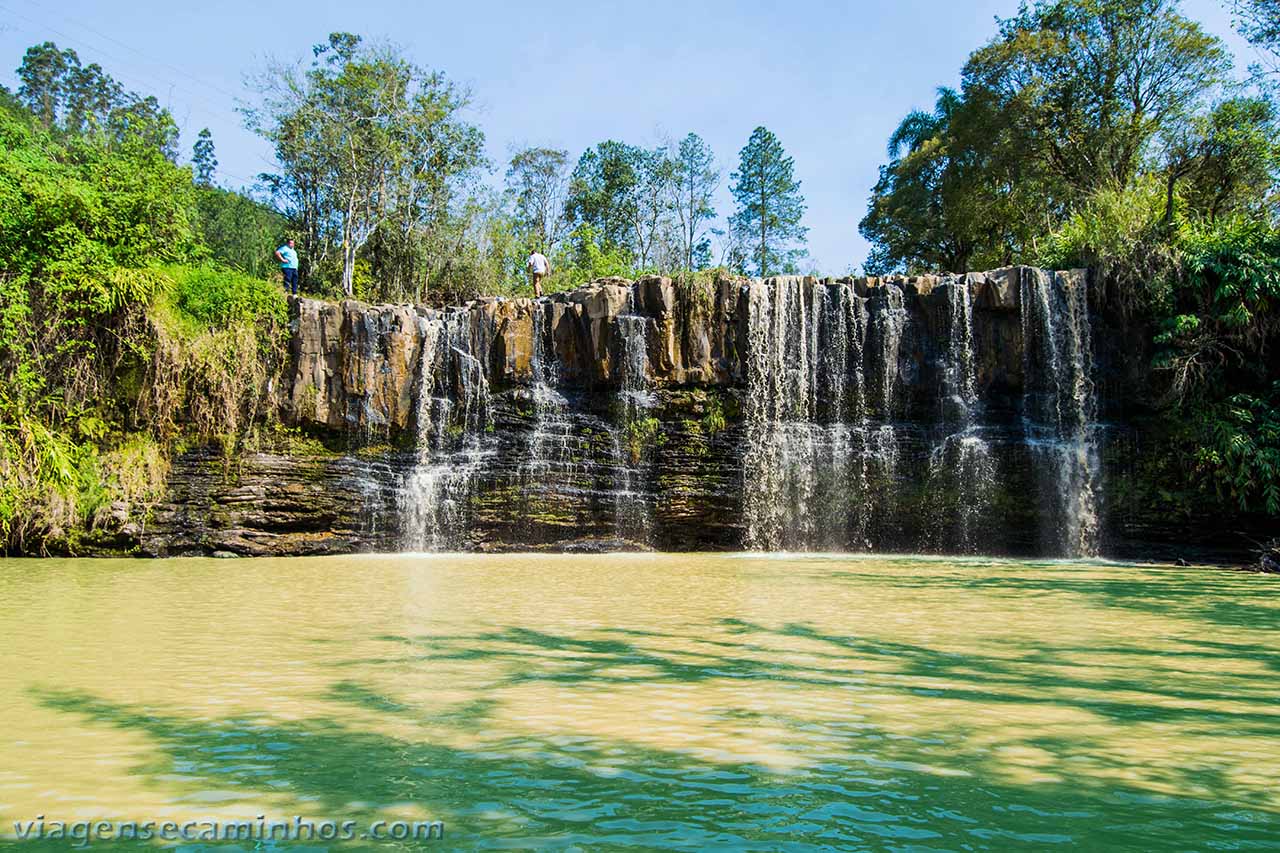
<point>290,279</point>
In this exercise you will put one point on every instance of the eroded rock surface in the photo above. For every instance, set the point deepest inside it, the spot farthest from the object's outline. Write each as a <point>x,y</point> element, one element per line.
<point>891,414</point>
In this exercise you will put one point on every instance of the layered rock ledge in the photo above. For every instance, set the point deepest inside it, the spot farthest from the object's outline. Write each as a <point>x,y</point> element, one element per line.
<point>993,412</point>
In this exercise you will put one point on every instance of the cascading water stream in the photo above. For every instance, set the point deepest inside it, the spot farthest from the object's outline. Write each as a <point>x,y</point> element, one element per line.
<point>961,466</point>
<point>553,444</point>
<point>842,446</point>
<point>812,461</point>
<point>452,417</point>
<point>633,514</point>
<point>1059,409</point>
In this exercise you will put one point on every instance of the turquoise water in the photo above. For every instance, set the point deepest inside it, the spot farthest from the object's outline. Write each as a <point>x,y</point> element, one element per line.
<point>638,702</point>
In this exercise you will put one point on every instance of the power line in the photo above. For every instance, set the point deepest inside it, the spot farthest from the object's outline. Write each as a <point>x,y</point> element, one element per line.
<point>195,98</point>
<point>152,59</point>
<point>148,79</point>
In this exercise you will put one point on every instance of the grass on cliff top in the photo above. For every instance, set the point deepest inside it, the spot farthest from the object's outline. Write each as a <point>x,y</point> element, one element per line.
<point>215,297</point>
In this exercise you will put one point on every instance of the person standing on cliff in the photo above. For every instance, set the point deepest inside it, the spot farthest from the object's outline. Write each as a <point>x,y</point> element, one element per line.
<point>539,268</point>
<point>288,259</point>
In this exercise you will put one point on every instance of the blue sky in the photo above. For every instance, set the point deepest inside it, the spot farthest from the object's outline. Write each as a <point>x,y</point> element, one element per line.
<point>830,79</point>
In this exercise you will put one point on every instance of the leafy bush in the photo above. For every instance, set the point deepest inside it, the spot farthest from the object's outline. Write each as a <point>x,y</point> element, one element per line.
<point>223,297</point>
<point>1239,451</point>
<point>583,258</point>
<point>103,319</point>
<point>1122,235</point>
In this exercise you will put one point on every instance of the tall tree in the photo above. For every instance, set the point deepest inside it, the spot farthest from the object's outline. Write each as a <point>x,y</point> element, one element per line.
<point>769,203</point>
<point>696,180</point>
<point>950,194</point>
<point>602,192</point>
<point>537,179</point>
<point>622,193</point>
<point>84,100</point>
<point>1223,162</point>
<point>367,143</point>
<point>1087,85</point>
<point>43,81</point>
<point>203,161</point>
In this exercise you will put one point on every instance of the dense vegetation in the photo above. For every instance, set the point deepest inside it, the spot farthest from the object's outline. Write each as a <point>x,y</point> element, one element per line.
<point>1112,134</point>
<point>123,327</point>
<point>138,306</point>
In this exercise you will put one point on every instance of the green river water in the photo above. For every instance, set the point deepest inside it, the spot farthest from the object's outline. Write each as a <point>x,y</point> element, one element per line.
<point>699,702</point>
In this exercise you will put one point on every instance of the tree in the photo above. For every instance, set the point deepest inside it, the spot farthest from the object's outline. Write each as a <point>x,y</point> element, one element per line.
<point>537,179</point>
<point>203,161</point>
<point>696,179</point>
<point>85,101</point>
<point>953,194</point>
<point>368,143</point>
<point>42,75</point>
<point>240,232</point>
<point>621,191</point>
<point>1085,86</point>
<point>602,192</point>
<point>1259,22</point>
<point>1223,162</point>
<point>769,204</point>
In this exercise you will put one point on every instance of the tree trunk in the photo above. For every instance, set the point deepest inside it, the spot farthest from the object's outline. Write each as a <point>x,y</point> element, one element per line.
<point>348,266</point>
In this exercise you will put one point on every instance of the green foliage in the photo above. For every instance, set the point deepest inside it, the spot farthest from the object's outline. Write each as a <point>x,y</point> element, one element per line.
<point>106,316</point>
<point>368,143</point>
<point>639,433</point>
<point>713,418</point>
<point>222,298</point>
<point>584,258</point>
<point>536,181</point>
<point>624,193</point>
<point>1259,22</point>
<point>1123,236</point>
<point>1238,454</point>
<point>1223,163</point>
<point>696,179</point>
<point>769,204</point>
<point>1237,265</point>
<point>1072,99</point>
<point>204,162</point>
<point>83,101</point>
<point>239,232</point>
<point>1086,134</point>
<point>1085,86</point>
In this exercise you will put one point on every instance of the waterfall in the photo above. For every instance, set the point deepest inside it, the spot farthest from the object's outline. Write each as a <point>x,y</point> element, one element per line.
<point>871,420</point>
<point>452,416</point>
<point>633,514</point>
<point>552,443</point>
<point>1059,408</point>
<point>962,471</point>
<point>809,455</point>
<point>888,321</point>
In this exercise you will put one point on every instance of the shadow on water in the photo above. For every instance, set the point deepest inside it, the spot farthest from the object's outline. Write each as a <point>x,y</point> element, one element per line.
<point>1033,676</point>
<point>1190,595</point>
<point>868,789</point>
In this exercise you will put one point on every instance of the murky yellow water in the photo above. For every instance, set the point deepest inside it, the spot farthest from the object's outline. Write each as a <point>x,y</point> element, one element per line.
<point>645,701</point>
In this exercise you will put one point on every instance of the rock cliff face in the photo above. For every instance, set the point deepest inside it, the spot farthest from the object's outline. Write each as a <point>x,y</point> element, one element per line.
<point>930,413</point>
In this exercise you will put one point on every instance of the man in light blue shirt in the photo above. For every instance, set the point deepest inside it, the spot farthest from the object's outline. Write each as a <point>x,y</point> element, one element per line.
<point>288,259</point>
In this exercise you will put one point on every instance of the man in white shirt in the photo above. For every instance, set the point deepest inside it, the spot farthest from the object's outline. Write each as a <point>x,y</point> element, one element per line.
<point>539,268</point>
